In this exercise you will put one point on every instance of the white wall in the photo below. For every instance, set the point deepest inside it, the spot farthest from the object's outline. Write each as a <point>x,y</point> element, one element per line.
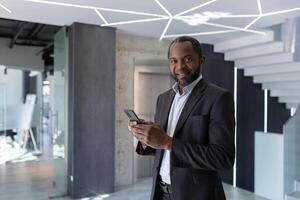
<point>23,57</point>
<point>291,132</point>
<point>268,170</point>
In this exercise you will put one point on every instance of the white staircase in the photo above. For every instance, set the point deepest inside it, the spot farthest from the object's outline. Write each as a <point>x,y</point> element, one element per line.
<point>269,62</point>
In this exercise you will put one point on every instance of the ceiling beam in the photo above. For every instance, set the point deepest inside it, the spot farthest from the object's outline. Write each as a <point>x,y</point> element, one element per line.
<point>43,42</point>
<point>19,31</point>
<point>36,30</point>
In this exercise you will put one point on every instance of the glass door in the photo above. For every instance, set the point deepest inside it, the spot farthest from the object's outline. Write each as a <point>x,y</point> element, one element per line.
<point>58,104</point>
<point>2,122</point>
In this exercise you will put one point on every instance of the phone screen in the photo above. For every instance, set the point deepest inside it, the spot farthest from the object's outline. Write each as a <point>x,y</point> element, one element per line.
<point>131,115</point>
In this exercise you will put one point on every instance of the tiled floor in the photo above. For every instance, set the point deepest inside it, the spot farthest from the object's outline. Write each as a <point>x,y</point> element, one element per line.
<point>33,181</point>
<point>141,191</point>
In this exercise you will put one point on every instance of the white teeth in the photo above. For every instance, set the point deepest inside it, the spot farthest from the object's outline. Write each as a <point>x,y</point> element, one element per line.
<point>181,75</point>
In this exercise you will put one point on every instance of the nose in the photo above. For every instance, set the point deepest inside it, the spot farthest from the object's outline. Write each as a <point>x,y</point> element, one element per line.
<point>181,64</point>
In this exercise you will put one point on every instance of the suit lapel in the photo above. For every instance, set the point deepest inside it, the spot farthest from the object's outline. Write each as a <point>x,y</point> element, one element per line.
<point>190,104</point>
<point>164,116</point>
<point>167,103</point>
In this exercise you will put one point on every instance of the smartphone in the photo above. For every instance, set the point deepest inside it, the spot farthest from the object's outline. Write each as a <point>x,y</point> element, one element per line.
<point>132,115</point>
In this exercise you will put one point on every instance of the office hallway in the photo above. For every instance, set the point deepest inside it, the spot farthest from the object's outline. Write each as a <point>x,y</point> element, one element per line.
<point>32,180</point>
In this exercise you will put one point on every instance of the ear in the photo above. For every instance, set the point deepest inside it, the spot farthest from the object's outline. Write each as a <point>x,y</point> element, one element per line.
<point>202,60</point>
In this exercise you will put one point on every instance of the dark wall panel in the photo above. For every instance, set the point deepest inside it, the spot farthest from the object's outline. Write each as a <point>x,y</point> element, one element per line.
<point>91,110</point>
<point>221,73</point>
<point>277,115</point>
<point>250,118</point>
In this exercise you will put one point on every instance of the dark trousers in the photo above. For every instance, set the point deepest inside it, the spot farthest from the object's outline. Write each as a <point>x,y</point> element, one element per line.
<point>164,192</point>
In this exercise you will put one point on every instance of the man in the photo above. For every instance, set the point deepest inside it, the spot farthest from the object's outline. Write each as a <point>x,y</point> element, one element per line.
<point>193,134</point>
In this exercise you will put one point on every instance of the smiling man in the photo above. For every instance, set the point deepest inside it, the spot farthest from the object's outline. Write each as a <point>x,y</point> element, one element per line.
<point>193,134</point>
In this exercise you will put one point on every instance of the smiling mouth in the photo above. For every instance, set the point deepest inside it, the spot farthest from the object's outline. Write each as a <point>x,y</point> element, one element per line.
<point>181,75</point>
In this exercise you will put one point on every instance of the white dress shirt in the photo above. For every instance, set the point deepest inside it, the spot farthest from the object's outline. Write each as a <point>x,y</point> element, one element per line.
<point>175,111</point>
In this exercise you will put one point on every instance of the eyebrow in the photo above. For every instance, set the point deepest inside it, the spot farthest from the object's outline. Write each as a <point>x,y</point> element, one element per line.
<point>188,55</point>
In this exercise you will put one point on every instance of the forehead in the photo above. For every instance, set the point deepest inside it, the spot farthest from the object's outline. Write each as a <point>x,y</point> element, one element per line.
<point>179,49</point>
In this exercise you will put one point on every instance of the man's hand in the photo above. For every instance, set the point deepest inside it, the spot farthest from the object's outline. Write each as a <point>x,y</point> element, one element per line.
<point>151,135</point>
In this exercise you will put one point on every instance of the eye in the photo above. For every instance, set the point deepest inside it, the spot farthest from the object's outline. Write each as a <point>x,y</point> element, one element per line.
<point>172,61</point>
<point>188,59</point>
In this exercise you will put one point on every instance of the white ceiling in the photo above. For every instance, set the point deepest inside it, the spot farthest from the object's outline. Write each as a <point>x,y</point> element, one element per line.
<point>74,11</point>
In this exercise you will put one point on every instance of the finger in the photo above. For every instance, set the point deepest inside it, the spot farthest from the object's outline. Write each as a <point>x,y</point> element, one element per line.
<point>140,138</point>
<point>148,122</point>
<point>138,132</point>
<point>141,127</point>
<point>132,123</point>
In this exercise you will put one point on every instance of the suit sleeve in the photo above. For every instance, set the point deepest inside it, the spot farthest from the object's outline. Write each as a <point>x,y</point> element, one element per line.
<point>219,154</point>
<point>141,149</point>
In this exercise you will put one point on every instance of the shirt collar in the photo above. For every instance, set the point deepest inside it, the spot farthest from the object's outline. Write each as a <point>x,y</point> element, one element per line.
<point>187,89</point>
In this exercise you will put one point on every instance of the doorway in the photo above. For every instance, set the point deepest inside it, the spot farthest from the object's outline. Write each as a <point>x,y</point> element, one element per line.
<point>149,82</point>
<point>32,111</point>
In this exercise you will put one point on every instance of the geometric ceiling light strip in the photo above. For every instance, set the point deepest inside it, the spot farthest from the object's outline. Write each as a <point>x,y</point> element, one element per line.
<point>179,16</point>
<point>181,13</point>
<point>94,7</point>
<point>101,16</point>
<point>135,21</point>
<point>164,8</point>
<point>5,8</point>
<point>252,22</point>
<point>200,34</point>
<point>261,14</point>
<point>257,18</point>
<point>234,28</point>
<point>259,7</point>
<point>281,12</point>
<point>165,29</point>
<point>170,19</point>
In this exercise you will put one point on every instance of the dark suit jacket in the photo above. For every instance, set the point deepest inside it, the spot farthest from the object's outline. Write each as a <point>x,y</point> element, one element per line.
<point>203,143</point>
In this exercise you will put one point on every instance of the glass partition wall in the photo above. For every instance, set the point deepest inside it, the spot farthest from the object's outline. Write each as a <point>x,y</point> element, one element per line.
<point>58,107</point>
<point>20,115</point>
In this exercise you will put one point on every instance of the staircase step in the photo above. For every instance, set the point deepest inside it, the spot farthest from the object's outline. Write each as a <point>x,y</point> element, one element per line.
<point>290,76</point>
<point>257,50</point>
<point>270,69</point>
<point>264,60</point>
<point>285,92</point>
<point>291,105</point>
<point>282,85</point>
<point>289,99</point>
<point>208,52</point>
<point>244,41</point>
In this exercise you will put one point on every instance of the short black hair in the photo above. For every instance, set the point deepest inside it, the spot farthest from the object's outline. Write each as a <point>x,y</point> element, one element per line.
<point>195,43</point>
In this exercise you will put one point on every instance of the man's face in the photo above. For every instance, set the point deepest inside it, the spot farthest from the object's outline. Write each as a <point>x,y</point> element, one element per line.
<point>185,63</point>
